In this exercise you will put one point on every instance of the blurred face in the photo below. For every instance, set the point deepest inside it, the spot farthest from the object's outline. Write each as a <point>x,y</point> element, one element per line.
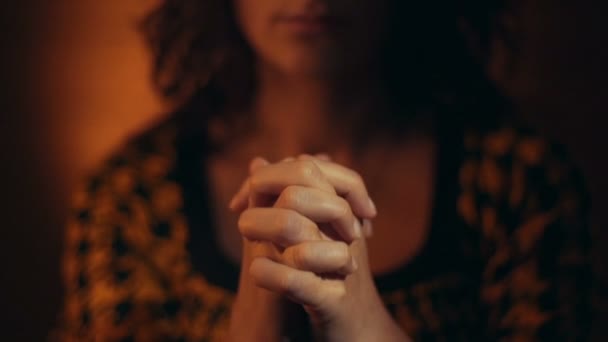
<point>312,37</point>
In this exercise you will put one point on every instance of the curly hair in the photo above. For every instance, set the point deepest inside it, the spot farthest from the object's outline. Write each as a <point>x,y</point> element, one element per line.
<point>201,59</point>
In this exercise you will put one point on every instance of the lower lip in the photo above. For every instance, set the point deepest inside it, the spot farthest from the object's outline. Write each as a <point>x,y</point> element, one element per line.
<point>306,26</point>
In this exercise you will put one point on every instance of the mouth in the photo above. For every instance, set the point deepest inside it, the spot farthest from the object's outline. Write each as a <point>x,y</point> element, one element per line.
<point>308,24</point>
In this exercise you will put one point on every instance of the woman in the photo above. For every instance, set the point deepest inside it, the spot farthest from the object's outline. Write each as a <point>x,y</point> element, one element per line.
<point>476,231</point>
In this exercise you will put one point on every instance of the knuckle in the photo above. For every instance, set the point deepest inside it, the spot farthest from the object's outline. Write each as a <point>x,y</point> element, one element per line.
<point>255,182</point>
<point>357,178</point>
<point>310,231</point>
<point>286,224</point>
<point>343,209</point>
<point>308,169</point>
<point>339,292</point>
<point>287,282</point>
<point>358,181</point>
<point>282,220</point>
<point>254,270</point>
<point>244,222</point>
<point>304,156</point>
<point>300,257</point>
<point>290,196</point>
<point>332,294</point>
<point>343,252</point>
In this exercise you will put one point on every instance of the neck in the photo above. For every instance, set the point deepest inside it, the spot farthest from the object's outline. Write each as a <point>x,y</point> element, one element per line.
<point>301,114</point>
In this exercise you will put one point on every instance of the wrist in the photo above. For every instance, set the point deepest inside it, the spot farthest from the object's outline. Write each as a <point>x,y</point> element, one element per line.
<point>365,323</point>
<point>256,315</point>
<point>381,327</point>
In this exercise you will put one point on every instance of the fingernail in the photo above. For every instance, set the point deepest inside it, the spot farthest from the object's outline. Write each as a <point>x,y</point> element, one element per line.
<point>257,162</point>
<point>355,265</point>
<point>323,156</point>
<point>372,206</point>
<point>357,229</point>
<point>232,203</point>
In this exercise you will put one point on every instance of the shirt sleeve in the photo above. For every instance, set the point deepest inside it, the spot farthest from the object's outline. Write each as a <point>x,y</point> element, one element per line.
<point>126,269</point>
<point>536,279</point>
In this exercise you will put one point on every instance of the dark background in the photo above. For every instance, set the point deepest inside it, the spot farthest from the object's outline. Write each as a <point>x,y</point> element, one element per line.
<point>73,83</point>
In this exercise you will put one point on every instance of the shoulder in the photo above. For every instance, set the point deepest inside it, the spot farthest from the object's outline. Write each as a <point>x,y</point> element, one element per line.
<point>125,260</point>
<point>513,168</point>
<point>139,161</point>
<point>132,198</point>
<point>526,205</point>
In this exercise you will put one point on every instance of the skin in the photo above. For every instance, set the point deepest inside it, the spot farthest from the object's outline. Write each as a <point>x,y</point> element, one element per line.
<point>305,53</point>
<point>290,255</point>
<point>302,220</point>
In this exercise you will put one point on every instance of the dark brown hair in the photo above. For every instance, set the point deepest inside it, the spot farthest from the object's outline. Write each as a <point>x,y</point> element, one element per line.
<point>202,62</point>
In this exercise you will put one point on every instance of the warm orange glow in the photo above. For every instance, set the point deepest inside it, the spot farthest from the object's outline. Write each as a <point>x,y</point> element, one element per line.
<point>94,80</point>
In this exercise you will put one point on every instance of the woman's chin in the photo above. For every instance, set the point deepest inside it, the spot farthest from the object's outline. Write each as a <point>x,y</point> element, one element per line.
<point>305,68</point>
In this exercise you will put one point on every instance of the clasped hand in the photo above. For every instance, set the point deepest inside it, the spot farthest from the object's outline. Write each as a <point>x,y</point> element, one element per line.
<point>304,223</point>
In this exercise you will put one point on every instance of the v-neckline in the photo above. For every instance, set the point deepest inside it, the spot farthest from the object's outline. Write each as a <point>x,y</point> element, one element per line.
<point>192,173</point>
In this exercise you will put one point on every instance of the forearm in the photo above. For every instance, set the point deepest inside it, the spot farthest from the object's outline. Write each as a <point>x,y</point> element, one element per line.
<point>256,317</point>
<point>374,324</point>
<point>384,328</point>
<point>257,314</point>
<point>381,327</point>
